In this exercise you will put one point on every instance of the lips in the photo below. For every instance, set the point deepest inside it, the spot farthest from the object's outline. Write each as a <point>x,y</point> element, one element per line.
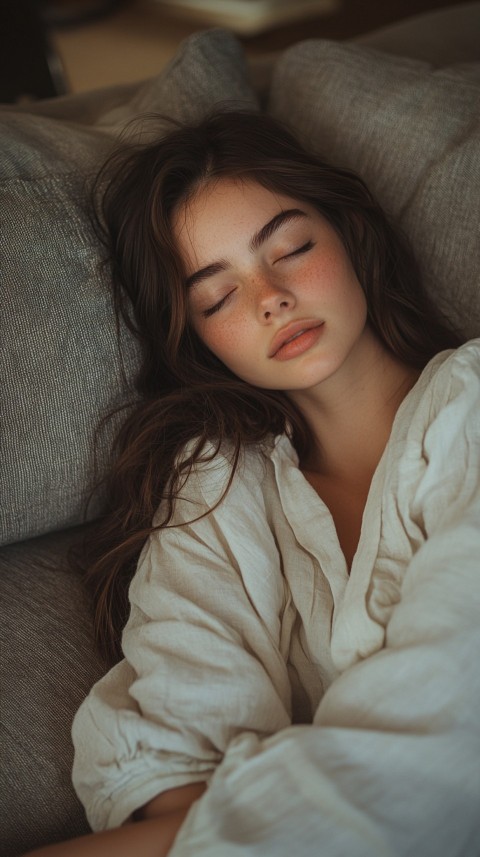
<point>289,333</point>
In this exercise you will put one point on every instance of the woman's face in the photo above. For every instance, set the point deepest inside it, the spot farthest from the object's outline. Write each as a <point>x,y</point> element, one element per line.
<point>271,290</point>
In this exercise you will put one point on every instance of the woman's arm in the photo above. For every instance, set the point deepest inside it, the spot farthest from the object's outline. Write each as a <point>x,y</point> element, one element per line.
<point>202,656</point>
<point>171,802</point>
<point>149,836</point>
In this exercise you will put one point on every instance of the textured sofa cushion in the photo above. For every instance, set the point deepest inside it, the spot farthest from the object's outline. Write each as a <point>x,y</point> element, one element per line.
<point>413,133</point>
<point>59,352</point>
<point>47,667</point>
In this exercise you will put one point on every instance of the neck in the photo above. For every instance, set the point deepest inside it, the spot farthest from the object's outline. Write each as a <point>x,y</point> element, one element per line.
<point>351,414</point>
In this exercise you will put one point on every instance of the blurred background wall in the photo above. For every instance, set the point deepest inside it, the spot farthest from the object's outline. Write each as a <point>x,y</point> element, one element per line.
<point>52,46</point>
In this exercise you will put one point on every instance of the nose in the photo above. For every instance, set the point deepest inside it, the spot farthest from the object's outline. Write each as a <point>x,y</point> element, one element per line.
<point>274,300</point>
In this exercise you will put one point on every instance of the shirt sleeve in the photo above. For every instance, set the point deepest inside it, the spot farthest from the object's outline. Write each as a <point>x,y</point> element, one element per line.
<point>391,764</point>
<point>203,654</point>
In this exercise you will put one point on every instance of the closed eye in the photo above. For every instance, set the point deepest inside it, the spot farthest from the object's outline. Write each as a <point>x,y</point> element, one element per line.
<point>206,313</point>
<point>303,249</point>
<point>213,309</point>
<point>298,252</point>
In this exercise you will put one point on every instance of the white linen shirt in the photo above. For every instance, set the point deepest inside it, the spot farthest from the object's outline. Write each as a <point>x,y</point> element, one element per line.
<point>331,713</point>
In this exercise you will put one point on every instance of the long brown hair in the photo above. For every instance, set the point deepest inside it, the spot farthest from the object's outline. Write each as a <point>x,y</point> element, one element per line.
<point>137,193</point>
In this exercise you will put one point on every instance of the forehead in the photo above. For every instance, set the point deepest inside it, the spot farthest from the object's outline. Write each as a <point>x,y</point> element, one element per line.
<point>223,213</point>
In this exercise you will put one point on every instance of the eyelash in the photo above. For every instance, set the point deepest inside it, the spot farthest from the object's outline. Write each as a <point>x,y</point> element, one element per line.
<point>303,249</point>
<point>206,313</point>
<point>213,309</point>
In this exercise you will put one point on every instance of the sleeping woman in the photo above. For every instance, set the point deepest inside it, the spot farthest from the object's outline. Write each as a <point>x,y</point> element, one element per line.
<point>287,568</point>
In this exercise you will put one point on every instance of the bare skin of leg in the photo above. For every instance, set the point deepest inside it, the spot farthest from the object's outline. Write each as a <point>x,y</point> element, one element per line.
<point>151,835</point>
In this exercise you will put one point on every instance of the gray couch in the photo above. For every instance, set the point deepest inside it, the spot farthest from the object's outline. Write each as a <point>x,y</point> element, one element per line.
<point>411,127</point>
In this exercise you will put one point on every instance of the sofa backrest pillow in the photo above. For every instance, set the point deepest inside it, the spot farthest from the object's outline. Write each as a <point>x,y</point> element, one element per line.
<point>59,355</point>
<point>412,132</point>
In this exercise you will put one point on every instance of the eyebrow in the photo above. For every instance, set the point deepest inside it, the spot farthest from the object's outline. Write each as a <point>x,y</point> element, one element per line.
<point>257,240</point>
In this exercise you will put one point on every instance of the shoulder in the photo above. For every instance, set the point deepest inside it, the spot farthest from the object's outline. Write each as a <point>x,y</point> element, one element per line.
<point>454,370</point>
<point>453,395</point>
<point>441,436</point>
<point>450,383</point>
<point>453,429</point>
<point>436,434</point>
<point>220,477</point>
<point>459,371</point>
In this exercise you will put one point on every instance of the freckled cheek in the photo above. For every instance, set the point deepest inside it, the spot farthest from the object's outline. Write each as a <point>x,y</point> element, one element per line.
<point>332,277</point>
<point>226,339</point>
<point>320,279</point>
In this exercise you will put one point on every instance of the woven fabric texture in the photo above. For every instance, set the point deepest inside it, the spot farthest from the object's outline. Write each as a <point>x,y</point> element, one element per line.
<point>47,667</point>
<point>413,133</point>
<point>60,360</point>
